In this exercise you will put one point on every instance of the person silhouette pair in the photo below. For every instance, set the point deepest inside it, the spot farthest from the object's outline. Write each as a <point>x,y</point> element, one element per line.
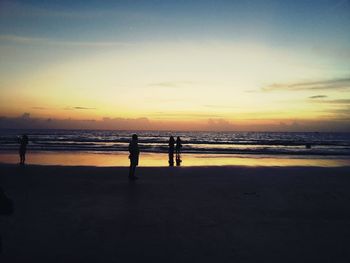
<point>177,150</point>
<point>134,153</point>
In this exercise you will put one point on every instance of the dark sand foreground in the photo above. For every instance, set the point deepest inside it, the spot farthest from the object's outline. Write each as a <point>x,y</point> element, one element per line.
<point>198,214</point>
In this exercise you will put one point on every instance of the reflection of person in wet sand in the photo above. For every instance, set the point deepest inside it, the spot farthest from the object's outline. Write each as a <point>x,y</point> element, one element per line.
<point>171,150</point>
<point>134,156</point>
<point>23,148</point>
<point>178,151</point>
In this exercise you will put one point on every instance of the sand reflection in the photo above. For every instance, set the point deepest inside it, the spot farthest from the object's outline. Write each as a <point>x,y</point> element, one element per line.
<point>152,159</point>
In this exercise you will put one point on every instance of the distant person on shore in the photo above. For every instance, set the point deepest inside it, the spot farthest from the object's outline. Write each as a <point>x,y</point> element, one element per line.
<point>23,141</point>
<point>134,156</point>
<point>171,150</point>
<point>178,151</point>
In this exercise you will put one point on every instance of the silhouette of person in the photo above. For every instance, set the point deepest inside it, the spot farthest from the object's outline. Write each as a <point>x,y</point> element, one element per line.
<point>23,148</point>
<point>134,156</point>
<point>171,150</point>
<point>178,151</point>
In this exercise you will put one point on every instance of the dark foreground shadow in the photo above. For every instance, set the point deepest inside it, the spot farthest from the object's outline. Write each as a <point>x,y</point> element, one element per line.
<point>6,209</point>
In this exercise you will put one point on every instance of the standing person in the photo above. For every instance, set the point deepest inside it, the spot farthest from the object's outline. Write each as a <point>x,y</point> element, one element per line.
<point>171,150</point>
<point>23,148</point>
<point>178,151</point>
<point>134,156</point>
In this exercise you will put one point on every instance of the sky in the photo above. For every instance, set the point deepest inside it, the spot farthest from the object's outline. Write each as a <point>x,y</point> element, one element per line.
<point>176,65</point>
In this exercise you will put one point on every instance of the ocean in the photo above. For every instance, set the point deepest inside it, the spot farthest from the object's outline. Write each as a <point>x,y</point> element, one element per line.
<point>237,143</point>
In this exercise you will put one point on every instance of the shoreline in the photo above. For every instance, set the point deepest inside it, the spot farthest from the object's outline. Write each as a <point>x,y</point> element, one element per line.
<point>120,159</point>
<point>173,169</point>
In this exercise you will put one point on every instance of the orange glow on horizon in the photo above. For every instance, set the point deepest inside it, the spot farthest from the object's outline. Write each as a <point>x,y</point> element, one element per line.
<point>174,88</point>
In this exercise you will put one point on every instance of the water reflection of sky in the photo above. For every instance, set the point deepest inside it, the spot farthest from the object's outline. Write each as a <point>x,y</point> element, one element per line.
<point>152,159</point>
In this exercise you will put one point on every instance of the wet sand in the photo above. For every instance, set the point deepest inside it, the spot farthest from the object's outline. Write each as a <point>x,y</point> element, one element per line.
<point>120,159</point>
<point>187,214</point>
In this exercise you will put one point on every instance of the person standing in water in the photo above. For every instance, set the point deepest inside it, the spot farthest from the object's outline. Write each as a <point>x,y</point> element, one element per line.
<point>23,148</point>
<point>178,151</point>
<point>134,156</point>
<point>171,150</point>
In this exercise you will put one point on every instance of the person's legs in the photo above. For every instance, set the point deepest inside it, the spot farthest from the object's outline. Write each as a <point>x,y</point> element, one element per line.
<point>171,158</point>
<point>131,170</point>
<point>21,157</point>
<point>178,158</point>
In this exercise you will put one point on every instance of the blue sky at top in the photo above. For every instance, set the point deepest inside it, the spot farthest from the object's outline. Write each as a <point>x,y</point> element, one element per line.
<point>233,53</point>
<point>275,22</point>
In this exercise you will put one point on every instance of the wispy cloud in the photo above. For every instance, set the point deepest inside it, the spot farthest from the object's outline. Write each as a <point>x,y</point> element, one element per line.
<point>343,110</point>
<point>84,108</point>
<point>338,120</point>
<point>220,124</point>
<point>332,84</point>
<point>26,121</point>
<point>318,97</point>
<point>340,113</point>
<point>66,108</point>
<point>186,115</point>
<point>338,101</point>
<point>79,108</point>
<point>39,108</point>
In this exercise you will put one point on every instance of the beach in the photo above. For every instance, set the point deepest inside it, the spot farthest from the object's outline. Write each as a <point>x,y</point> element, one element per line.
<point>174,131</point>
<point>121,159</point>
<point>176,214</point>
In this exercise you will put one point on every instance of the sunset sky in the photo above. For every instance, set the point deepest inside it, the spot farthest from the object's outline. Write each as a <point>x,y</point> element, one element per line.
<point>183,65</point>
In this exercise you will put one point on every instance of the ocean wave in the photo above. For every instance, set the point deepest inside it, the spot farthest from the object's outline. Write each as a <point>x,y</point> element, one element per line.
<point>193,142</point>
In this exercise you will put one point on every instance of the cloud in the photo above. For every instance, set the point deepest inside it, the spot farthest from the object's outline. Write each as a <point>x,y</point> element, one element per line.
<point>338,122</point>
<point>79,108</point>
<point>25,115</point>
<point>333,84</point>
<point>220,125</point>
<point>338,101</point>
<point>84,108</point>
<point>25,121</point>
<point>187,115</point>
<point>342,111</point>
<point>39,108</point>
<point>318,97</point>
